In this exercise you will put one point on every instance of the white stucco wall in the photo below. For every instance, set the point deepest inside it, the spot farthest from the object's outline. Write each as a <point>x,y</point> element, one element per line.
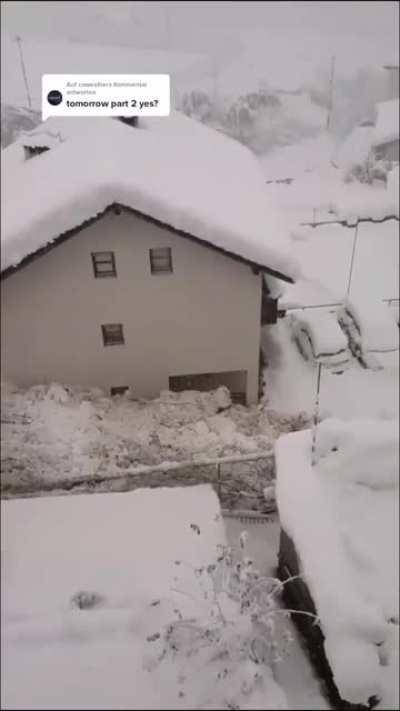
<point>205,317</point>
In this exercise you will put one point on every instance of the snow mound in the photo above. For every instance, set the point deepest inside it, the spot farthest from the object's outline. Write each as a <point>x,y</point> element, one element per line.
<point>339,445</point>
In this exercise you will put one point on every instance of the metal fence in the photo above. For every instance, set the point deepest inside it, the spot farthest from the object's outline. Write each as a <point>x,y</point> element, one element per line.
<point>238,481</point>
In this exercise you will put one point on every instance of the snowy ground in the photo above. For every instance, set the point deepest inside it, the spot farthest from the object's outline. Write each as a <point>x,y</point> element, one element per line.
<point>107,544</point>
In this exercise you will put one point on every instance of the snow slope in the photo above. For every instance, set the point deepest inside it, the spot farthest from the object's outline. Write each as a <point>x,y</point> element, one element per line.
<point>217,192</point>
<point>349,500</point>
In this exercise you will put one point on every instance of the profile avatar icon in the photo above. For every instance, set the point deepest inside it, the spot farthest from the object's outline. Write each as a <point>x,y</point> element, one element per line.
<point>54,97</point>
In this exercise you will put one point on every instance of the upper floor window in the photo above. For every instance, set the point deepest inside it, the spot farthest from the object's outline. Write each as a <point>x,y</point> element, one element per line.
<point>161,260</point>
<point>104,264</point>
<point>113,334</point>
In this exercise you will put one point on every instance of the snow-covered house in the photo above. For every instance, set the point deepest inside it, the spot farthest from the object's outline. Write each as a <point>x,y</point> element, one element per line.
<point>134,256</point>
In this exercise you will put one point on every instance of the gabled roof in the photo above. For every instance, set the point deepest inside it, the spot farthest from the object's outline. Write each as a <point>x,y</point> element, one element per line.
<point>172,170</point>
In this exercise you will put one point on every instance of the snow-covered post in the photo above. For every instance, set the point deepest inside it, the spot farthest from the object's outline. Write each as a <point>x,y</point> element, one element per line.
<point>316,415</point>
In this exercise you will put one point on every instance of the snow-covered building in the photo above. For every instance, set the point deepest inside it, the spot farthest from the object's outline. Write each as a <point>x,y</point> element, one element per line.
<point>133,256</point>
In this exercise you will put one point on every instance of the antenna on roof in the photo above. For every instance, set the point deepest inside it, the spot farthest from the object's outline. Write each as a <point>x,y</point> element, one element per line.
<point>19,43</point>
<point>330,99</point>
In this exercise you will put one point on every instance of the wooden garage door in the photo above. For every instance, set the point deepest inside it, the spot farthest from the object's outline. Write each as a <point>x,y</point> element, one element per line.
<point>235,380</point>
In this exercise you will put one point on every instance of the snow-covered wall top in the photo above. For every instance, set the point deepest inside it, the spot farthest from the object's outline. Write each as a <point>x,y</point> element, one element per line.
<point>342,515</point>
<point>174,170</point>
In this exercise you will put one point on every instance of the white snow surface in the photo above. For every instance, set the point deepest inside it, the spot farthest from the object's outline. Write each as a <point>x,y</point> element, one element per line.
<point>122,547</point>
<point>173,169</point>
<point>342,515</point>
<point>387,124</point>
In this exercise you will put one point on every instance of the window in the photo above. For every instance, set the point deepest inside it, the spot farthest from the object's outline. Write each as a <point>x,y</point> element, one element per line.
<point>104,264</point>
<point>161,260</point>
<point>113,334</point>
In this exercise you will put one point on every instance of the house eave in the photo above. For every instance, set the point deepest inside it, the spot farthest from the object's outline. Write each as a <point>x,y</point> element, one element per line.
<point>118,207</point>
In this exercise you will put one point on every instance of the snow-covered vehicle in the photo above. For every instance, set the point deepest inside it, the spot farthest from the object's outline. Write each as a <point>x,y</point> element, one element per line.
<point>320,339</point>
<point>371,330</point>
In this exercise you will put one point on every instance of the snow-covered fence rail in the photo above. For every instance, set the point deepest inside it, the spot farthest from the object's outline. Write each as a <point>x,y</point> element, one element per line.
<point>238,480</point>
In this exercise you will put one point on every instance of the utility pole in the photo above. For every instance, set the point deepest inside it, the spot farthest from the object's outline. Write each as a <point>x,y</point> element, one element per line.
<point>330,97</point>
<point>19,43</point>
<point>315,419</point>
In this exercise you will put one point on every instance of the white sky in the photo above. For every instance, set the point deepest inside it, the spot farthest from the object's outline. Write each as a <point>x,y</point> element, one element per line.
<point>201,25</point>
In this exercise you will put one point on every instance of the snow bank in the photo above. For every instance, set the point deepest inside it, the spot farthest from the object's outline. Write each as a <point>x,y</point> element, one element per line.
<point>346,538</point>
<point>222,202</point>
<point>120,546</point>
<point>349,440</point>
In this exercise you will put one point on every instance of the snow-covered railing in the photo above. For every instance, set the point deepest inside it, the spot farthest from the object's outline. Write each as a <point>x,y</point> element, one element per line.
<point>140,477</point>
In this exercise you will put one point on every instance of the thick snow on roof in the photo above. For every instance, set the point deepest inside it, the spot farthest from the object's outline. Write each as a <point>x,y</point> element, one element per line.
<point>342,515</point>
<point>387,122</point>
<point>172,169</point>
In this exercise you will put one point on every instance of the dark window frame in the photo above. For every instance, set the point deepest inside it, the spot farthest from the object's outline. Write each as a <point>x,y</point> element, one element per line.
<point>113,340</point>
<point>112,272</point>
<point>161,260</point>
